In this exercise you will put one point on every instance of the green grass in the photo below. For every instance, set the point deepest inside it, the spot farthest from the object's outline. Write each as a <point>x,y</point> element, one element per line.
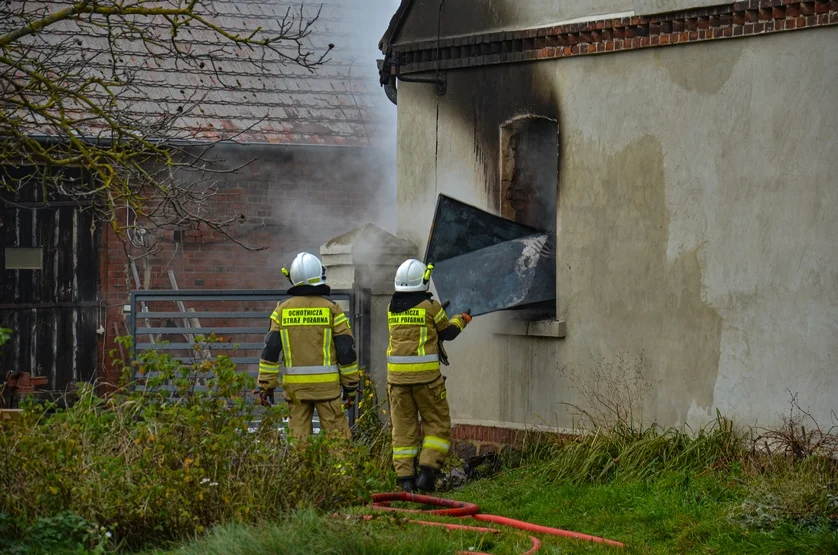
<point>306,533</point>
<point>674,513</point>
<point>657,492</point>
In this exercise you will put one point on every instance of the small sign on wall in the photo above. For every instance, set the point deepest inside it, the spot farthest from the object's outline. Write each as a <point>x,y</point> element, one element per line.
<point>23,258</point>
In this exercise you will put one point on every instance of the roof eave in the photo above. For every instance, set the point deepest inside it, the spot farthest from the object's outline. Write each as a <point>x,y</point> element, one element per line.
<point>395,26</point>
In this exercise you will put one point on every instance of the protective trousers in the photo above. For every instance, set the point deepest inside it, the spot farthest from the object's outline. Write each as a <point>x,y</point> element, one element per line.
<point>332,419</point>
<point>430,402</point>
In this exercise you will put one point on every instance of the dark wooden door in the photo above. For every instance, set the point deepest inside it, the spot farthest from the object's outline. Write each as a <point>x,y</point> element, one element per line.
<point>51,305</point>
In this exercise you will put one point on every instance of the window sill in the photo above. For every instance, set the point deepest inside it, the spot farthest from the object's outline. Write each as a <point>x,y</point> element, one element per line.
<point>556,329</point>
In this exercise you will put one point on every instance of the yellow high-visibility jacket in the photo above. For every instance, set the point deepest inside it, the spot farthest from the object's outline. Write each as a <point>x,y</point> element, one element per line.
<point>318,351</point>
<point>413,354</point>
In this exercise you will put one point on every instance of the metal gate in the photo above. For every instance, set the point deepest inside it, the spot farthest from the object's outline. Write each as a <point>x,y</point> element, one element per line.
<point>49,275</point>
<point>171,321</point>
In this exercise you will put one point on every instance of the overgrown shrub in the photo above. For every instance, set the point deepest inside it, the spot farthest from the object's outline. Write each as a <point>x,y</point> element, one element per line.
<point>800,435</point>
<point>64,533</point>
<point>613,392</point>
<point>785,489</point>
<point>165,457</point>
<point>5,335</point>
<point>371,428</point>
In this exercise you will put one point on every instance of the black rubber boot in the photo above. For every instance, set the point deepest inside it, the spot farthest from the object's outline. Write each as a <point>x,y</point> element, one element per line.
<point>407,484</point>
<point>427,479</point>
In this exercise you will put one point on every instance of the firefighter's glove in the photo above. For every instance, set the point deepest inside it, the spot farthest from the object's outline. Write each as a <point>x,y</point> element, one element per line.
<point>443,355</point>
<point>467,316</point>
<point>265,395</point>
<point>348,398</point>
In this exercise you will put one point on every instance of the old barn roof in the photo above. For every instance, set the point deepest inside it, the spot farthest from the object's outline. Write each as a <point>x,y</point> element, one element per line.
<point>233,98</point>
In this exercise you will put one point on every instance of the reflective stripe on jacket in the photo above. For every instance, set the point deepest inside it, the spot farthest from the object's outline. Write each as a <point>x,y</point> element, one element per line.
<point>413,353</point>
<point>307,326</point>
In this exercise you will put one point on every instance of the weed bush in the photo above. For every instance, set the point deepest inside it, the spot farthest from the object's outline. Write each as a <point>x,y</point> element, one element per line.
<point>784,489</point>
<point>628,453</point>
<point>781,489</point>
<point>165,458</point>
<point>370,429</point>
<point>64,533</point>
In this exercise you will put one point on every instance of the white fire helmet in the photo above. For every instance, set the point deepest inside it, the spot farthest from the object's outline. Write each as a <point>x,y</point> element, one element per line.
<point>306,270</point>
<point>413,275</point>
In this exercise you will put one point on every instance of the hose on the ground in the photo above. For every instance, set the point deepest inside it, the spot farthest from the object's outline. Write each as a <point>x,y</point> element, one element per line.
<point>461,509</point>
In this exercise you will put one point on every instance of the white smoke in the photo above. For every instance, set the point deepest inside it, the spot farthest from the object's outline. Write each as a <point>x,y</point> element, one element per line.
<point>355,28</point>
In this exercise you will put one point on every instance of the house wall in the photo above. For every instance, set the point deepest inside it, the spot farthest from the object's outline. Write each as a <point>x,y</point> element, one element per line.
<point>695,228</point>
<point>294,198</point>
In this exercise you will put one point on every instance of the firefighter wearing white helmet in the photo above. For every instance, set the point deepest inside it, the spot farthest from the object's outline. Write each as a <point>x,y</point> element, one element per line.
<point>313,336</point>
<point>306,269</point>
<point>417,322</point>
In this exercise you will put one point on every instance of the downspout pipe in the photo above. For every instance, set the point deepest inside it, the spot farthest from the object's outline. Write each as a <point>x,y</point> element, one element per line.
<point>387,79</point>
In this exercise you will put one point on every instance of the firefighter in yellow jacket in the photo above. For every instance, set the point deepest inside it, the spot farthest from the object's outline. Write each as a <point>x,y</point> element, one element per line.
<point>417,323</point>
<point>318,351</point>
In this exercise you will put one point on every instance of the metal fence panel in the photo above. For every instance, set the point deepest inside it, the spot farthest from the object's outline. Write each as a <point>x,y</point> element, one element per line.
<point>173,321</point>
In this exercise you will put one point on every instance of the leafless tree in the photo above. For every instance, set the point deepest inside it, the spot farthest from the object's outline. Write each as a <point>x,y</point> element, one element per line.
<point>86,85</point>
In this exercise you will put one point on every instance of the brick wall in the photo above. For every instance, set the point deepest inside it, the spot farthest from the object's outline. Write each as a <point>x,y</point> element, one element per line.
<point>293,199</point>
<point>470,440</point>
<point>746,18</point>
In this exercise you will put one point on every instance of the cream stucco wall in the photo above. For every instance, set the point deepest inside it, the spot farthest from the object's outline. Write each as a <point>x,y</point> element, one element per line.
<point>698,190</point>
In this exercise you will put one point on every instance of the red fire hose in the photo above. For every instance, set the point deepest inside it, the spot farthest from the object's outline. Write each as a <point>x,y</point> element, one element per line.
<point>462,509</point>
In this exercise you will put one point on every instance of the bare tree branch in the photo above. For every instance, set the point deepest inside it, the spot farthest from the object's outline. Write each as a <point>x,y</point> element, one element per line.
<point>83,84</point>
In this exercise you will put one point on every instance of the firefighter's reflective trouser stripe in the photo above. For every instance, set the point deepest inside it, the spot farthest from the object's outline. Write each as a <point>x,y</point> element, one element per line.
<point>407,404</point>
<point>332,418</point>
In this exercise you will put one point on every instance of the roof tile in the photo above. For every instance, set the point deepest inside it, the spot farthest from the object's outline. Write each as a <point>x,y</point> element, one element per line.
<point>338,103</point>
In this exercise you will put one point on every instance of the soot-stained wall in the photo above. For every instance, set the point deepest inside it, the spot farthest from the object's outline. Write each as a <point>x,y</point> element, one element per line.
<point>694,229</point>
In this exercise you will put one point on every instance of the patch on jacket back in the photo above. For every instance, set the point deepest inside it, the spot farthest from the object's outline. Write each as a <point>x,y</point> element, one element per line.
<point>305,317</point>
<point>411,317</point>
